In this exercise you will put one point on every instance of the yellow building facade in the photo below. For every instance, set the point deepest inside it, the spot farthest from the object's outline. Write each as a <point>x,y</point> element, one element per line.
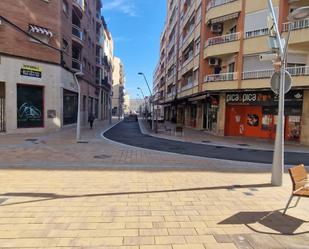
<point>210,75</point>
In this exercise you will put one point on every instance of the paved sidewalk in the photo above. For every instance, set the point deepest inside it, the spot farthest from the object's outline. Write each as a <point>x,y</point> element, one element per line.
<point>175,209</point>
<point>55,193</point>
<point>203,137</point>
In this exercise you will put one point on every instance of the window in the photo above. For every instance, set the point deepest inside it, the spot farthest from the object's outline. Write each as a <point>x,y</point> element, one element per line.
<point>65,45</point>
<point>65,7</point>
<point>30,113</point>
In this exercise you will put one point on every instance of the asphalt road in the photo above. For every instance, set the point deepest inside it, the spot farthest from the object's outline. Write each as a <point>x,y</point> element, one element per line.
<point>129,133</point>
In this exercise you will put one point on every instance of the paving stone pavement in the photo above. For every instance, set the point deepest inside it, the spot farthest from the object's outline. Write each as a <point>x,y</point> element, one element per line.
<point>54,193</point>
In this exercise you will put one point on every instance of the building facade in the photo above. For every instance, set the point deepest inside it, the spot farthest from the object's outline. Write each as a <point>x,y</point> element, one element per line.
<point>118,87</point>
<point>43,45</point>
<point>210,76</point>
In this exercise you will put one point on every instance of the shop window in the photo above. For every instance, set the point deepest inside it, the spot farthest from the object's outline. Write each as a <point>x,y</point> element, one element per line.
<point>30,113</point>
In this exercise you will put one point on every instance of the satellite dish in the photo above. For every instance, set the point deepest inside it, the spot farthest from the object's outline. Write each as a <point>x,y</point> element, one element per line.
<point>275,82</point>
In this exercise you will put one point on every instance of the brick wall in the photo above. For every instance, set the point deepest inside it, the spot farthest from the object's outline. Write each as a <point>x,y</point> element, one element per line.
<point>22,13</point>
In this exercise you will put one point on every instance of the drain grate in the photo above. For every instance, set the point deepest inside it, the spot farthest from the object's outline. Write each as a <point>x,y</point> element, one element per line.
<point>31,139</point>
<point>206,141</point>
<point>219,147</point>
<point>83,142</point>
<point>103,156</point>
<point>243,144</point>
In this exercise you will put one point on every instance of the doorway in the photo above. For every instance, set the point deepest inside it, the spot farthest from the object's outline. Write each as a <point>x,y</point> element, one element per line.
<point>2,107</point>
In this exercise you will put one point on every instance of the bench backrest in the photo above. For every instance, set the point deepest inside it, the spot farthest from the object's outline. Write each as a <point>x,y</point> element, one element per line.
<point>299,176</point>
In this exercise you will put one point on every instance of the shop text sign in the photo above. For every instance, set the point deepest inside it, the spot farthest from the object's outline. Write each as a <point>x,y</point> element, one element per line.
<point>261,97</point>
<point>31,71</point>
<point>241,97</point>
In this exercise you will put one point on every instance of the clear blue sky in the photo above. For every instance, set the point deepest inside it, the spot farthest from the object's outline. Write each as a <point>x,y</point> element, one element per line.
<point>136,27</point>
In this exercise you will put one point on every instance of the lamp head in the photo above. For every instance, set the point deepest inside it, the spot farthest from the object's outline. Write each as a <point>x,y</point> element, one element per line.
<point>299,14</point>
<point>140,73</point>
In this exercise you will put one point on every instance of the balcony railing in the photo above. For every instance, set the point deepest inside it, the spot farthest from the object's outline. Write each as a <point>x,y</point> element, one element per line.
<point>77,32</point>
<point>220,77</point>
<point>298,71</point>
<point>257,32</point>
<point>267,73</point>
<point>303,24</point>
<point>189,32</point>
<point>77,65</point>
<point>171,94</point>
<point>189,85</point>
<point>258,74</point>
<point>188,60</point>
<point>223,39</point>
<point>215,3</point>
<point>98,60</point>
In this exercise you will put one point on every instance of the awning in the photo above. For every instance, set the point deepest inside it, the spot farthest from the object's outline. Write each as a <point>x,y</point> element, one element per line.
<point>197,98</point>
<point>224,18</point>
<point>40,30</point>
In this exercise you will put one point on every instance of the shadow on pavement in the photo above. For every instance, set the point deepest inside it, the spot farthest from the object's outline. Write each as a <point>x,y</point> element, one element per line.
<point>278,223</point>
<point>53,196</point>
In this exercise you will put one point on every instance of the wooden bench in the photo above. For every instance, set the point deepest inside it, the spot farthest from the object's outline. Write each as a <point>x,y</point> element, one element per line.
<point>300,184</point>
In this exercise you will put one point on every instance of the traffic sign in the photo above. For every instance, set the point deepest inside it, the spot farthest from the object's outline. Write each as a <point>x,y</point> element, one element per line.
<point>275,82</point>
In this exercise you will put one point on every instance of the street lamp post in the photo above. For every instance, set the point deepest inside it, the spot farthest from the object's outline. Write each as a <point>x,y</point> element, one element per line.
<point>150,100</point>
<point>278,157</point>
<point>144,100</point>
<point>78,135</point>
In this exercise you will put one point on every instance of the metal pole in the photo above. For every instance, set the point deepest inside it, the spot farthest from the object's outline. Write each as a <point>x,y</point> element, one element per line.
<point>278,156</point>
<point>150,101</point>
<point>78,135</point>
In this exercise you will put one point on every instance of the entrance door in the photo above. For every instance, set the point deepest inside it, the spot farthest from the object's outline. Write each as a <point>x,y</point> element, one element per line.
<point>235,121</point>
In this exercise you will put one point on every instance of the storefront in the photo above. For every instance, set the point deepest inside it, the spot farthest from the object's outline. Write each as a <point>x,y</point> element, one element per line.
<point>254,114</point>
<point>210,113</point>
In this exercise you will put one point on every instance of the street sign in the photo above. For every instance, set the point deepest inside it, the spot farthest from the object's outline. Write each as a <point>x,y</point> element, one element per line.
<point>275,82</point>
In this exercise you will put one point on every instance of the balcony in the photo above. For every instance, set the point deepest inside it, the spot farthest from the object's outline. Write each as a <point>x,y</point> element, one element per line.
<point>98,61</point>
<point>299,31</point>
<point>219,45</point>
<point>98,17</point>
<point>256,78</point>
<point>77,65</point>
<point>215,3</point>
<point>221,77</point>
<point>78,6</point>
<point>218,8</point>
<point>223,39</point>
<point>77,34</point>
<point>188,38</point>
<point>256,33</point>
<point>187,64</point>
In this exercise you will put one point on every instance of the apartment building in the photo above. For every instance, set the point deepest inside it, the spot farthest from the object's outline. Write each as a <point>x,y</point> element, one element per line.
<point>118,87</point>
<point>43,44</point>
<point>219,84</point>
<point>107,73</point>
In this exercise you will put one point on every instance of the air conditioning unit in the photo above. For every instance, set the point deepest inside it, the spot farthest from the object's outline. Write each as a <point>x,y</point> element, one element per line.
<point>217,27</point>
<point>213,61</point>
